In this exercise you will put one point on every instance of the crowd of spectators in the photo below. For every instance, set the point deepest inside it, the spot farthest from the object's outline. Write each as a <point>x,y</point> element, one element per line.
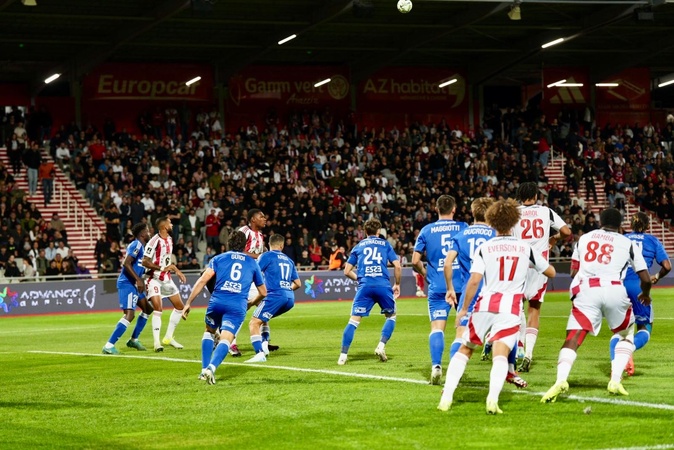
<point>319,177</point>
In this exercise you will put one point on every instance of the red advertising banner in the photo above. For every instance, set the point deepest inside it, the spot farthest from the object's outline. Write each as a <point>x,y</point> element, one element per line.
<point>284,88</point>
<point>413,89</point>
<point>573,92</point>
<point>128,81</point>
<point>629,101</point>
<point>14,94</point>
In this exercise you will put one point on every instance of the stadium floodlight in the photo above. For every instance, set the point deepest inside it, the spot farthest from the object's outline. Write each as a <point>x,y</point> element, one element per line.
<point>321,83</point>
<point>447,83</point>
<point>192,81</point>
<point>607,84</point>
<point>557,83</point>
<point>52,78</point>
<point>551,43</point>
<point>289,38</point>
<point>666,83</point>
<point>570,85</point>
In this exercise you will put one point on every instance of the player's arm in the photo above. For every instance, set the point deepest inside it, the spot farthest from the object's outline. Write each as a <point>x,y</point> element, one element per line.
<point>645,278</point>
<point>575,261</point>
<point>541,264</point>
<point>665,268</point>
<point>196,290</point>
<point>397,276</point>
<point>349,272</point>
<point>448,271</point>
<point>128,266</point>
<point>296,284</point>
<point>470,290</point>
<point>148,264</point>
<point>417,265</point>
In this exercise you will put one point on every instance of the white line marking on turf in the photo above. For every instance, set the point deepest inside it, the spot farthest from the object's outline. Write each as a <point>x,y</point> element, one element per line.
<point>651,447</point>
<point>362,375</point>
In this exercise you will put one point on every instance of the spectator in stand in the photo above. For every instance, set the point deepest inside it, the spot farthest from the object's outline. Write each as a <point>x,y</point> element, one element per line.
<point>212,228</point>
<point>56,224</point>
<point>32,159</point>
<point>63,156</point>
<point>46,174</point>
<point>14,151</point>
<point>191,227</point>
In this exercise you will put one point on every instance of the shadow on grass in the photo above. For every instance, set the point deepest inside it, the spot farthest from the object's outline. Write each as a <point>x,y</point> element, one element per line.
<point>49,406</point>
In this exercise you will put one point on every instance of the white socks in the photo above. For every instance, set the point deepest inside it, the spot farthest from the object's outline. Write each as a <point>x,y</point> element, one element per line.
<point>623,352</point>
<point>564,364</point>
<point>499,371</point>
<point>530,342</point>
<point>156,327</point>
<point>174,320</point>
<point>455,370</point>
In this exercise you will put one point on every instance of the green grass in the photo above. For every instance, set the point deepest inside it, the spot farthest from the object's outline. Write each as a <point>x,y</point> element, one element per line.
<point>146,401</point>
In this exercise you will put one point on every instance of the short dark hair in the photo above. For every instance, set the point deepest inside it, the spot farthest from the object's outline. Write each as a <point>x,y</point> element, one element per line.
<point>445,204</point>
<point>159,222</point>
<point>276,239</point>
<point>252,213</point>
<point>138,228</point>
<point>640,222</point>
<point>372,227</point>
<point>611,218</point>
<point>237,242</point>
<point>527,191</point>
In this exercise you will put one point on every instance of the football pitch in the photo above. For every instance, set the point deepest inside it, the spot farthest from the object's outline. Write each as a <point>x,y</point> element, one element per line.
<point>59,391</point>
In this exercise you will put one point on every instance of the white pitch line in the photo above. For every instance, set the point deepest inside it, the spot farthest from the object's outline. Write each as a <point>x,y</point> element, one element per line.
<point>580,399</point>
<point>650,447</point>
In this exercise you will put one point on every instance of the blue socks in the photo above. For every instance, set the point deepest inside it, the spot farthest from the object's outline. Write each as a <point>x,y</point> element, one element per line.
<point>206,349</point>
<point>611,345</point>
<point>257,343</point>
<point>387,329</point>
<point>140,324</point>
<point>456,345</point>
<point>220,354</point>
<point>512,356</point>
<point>349,332</point>
<point>436,342</point>
<point>641,338</point>
<point>120,329</point>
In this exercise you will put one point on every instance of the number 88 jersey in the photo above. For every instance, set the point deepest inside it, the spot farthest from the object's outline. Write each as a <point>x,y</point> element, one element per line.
<point>534,226</point>
<point>605,255</point>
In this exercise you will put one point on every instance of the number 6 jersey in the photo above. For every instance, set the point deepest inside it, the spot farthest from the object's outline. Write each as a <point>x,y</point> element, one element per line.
<point>159,251</point>
<point>605,255</point>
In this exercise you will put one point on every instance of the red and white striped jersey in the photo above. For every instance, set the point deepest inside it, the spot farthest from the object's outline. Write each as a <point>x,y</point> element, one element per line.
<point>503,262</point>
<point>159,251</point>
<point>255,240</point>
<point>534,226</point>
<point>605,255</point>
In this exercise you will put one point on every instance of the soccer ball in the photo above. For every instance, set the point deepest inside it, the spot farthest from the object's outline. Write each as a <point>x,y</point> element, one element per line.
<point>404,6</point>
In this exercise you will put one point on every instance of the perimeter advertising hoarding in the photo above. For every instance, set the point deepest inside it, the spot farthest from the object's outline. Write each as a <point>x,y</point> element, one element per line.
<point>76,296</point>
<point>413,90</point>
<point>164,82</point>
<point>256,89</point>
<point>629,102</point>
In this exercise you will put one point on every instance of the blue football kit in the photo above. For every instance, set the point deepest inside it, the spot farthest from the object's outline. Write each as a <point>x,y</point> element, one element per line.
<point>371,257</point>
<point>652,250</point>
<point>279,273</point>
<point>126,284</point>
<point>436,240</point>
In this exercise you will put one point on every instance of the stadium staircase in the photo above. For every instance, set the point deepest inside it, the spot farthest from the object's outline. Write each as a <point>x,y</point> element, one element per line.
<point>83,225</point>
<point>555,174</point>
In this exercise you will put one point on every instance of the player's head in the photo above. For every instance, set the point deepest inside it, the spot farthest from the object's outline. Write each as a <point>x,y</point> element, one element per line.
<point>503,216</point>
<point>256,219</point>
<point>480,206</point>
<point>445,205</point>
<point>237,242</point>
<point>611,218</point>
<point>527,191</point>
<point>163,223</point>
<point>372,227</point>
<point>276,241</point>
<point>640,222</point>
<point>138,229</point>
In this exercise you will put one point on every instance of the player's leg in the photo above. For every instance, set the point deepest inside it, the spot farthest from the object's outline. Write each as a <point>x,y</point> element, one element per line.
<point>362,305</point>
<point>261,313</point>
<point>234,348</point>
<point>537,284</point>
<point>458,362</point>
<point>213,320</point>
<point>146,310</point>
<point>171,291</point>
<point>513,377</point>
<point>499,370</point>
<point>231,321</point>
<point>388,308</point>
<point>154,293</point>
<point>128,297</point>
<point>438,310</point>
<point>419,281</point>
<point>585,318</point>
<point>279,307</point>
<point>620,319</point>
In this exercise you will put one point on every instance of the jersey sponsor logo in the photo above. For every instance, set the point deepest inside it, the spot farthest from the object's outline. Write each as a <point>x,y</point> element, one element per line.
<point>360,310</point>
<point>268,315</point>
<point>227,324</point>
<point>231,286</point>
<point>209,321</point>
